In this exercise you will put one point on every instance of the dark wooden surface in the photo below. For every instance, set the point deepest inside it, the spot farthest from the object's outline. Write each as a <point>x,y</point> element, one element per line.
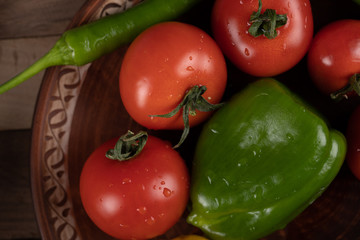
<point>28,28</point>
<point>17,218</point>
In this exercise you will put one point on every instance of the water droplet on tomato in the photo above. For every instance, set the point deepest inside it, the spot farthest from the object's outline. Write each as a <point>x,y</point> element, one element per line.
<point>142,210</point>
<point>247,52</point>
<point>190,68</point>
<point>202,38</point>
<point>123,225</point>
<point>190,58</point>
<point>167,192</point>
<point>126,180</point>
<point>150,220</point>
<point>162,183</point>
<point>284,46</point>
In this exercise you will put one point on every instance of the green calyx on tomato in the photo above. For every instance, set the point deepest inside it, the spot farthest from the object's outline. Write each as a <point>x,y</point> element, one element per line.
<point>353,85</point>
<point>128,146</point>
<point>161,66</point>
<point>266,23</point>
<point>192,101</point>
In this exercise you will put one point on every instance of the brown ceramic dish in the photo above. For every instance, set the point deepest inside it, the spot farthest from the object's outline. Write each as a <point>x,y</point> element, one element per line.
<point>79,108</point>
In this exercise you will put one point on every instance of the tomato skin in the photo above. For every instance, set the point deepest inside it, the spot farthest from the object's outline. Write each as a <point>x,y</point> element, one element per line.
<point>161,65</point>
<point>136,199</point>
<point>334,55</point>
<point>353,142</point>
<point>261,56</point>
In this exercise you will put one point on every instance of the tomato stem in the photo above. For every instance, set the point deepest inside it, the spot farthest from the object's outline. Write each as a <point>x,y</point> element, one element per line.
<point>128,146</point>
<point>192,101</point>
<point>266,23</point>
<point>353,85</point>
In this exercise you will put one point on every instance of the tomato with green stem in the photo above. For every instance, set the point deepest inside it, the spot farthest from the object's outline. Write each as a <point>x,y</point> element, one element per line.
<point>172,76</point>
<point>135,187</point>
<point>263,38</point>
<point>334,58</point>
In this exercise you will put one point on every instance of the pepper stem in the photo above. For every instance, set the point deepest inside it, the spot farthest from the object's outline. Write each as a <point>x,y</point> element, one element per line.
<point>192,101</point>
<point>353,85</point>
<point>128,146</point>
<point>266,23</point>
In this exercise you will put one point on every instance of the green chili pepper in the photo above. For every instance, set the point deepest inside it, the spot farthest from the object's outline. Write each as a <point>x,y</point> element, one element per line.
<point>86,43</point>
<point>260,161</point>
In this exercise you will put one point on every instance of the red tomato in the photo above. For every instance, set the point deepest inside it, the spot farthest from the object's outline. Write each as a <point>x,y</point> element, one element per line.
<point>353,141</point>
<point>334,55</point>
<point>161,65</point>
<point>261,56</point>
<point>138,198</point>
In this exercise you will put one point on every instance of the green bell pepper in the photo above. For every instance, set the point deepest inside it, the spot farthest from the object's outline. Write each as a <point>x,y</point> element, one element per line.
<point>259,162</point>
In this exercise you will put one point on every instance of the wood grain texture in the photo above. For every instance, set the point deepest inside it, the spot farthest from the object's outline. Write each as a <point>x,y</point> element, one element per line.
<point>28,29</point>
<point>17,105</point>
<point>36,18</point>
<point>17,218</point>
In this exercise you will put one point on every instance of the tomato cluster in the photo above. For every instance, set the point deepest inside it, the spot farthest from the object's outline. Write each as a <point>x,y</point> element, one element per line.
<point>174,75</point>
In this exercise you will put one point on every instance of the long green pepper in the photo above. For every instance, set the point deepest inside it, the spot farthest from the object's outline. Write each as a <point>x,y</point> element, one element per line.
<point>84,44</point>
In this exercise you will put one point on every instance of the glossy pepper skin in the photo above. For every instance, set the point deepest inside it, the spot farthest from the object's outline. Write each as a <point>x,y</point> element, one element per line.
<point>84,44</point>
<point>260,161</point>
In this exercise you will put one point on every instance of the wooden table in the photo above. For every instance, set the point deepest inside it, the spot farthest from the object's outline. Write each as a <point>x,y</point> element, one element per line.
<point>28,29</point>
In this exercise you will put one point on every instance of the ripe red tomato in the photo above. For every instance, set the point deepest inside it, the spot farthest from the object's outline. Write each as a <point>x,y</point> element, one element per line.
<point>261,56</point>
<point>334,55</point>
<point>161,65</point>
<point>138,198</point>
<point>353,142</point>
